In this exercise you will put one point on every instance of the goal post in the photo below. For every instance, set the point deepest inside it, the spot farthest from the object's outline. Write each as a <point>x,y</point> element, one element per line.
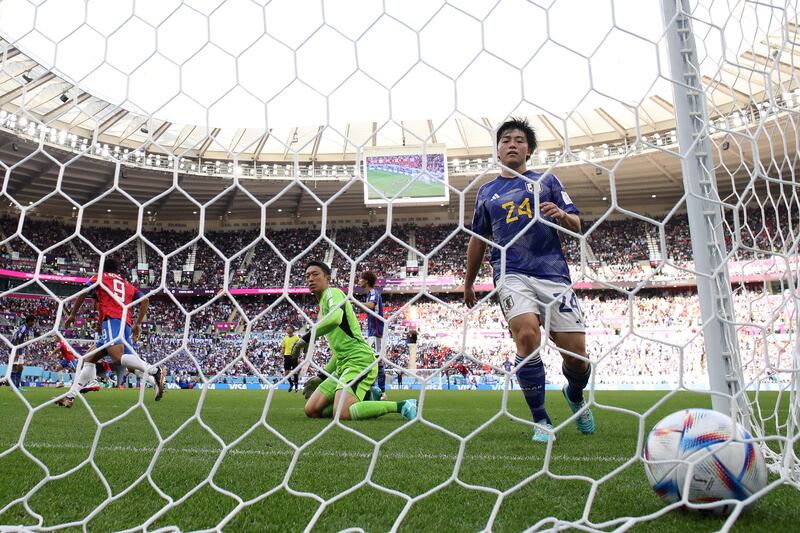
<point>703,208</point>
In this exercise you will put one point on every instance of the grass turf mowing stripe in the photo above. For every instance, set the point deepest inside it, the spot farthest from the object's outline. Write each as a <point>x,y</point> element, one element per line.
<point>362,455</point>
<point>414,461</point>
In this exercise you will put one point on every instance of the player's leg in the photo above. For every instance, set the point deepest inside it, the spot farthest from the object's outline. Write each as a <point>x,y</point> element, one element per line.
<point>521,309</point>
<point>120,372</point>
<point>530,372</point>
<point>286,373</point>
<point>578,372</point>
<point>288,370</point>
<point>320,403</point>
<point>296,374</point>
<point>86,374</point>
<point>16,373</point>
<point>122,352</point>
<point>352,397</point>
<point>381,380</point>
<point>567,331</point>
<point>378,388</point>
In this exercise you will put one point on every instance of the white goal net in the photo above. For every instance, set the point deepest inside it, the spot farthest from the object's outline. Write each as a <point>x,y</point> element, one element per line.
<point>214,149</point>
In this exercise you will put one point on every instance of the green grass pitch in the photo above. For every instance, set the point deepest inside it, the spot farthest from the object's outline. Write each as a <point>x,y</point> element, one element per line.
<point>414,461</point>
<point>391,183</point>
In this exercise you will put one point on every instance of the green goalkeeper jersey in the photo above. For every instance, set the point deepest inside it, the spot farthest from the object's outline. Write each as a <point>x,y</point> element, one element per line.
<point>340,326</point>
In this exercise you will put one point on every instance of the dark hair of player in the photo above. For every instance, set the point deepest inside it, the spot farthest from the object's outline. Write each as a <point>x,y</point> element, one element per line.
<point>322,266</point>
<point>521,124</point>
<point>370,278</point>
<point>110,266</point>
<point>30,318</point>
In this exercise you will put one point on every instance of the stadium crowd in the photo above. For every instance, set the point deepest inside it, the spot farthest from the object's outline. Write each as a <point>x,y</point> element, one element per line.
<point>434,163</point>
<point>649,338</point>
<point>614,250</point>
<point>209,338</point>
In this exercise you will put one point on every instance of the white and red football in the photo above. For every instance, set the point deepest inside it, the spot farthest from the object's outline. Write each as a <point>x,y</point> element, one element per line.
<point>700,454</point>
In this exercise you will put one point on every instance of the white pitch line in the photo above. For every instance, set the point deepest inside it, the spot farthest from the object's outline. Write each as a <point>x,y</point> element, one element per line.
<point>339,454</point>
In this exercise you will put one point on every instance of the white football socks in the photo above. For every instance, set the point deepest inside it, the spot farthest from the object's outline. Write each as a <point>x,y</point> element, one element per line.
<point>134,362</point>
<point>148,378</point>
<point>84,377</point>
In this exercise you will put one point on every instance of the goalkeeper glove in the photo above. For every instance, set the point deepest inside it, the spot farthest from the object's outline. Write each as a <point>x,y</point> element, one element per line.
<point>302,342</point>
<point>304,333</point>
<point>310,386</point>
<point>298,349</point>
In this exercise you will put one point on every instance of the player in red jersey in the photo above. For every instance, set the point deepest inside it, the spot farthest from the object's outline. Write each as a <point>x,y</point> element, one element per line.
<point>68,360</point>
<point>114,295</point>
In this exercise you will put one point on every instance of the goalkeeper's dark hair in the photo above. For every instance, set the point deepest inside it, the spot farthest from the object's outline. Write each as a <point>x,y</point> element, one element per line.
<point>518,123</point>
<point>370,278</point>
<point>322,266</point>
<point>110,266</point>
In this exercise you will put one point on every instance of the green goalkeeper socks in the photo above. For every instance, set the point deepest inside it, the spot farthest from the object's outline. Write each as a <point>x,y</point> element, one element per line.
<point>365,410</point>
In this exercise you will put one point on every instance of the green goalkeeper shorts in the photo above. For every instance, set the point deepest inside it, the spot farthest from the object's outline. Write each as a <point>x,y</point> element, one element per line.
<point>358,384</point>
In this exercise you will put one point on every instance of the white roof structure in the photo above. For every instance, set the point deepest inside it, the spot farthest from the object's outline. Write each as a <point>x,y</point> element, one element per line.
<point>321,80</point>
<point>232,88</point>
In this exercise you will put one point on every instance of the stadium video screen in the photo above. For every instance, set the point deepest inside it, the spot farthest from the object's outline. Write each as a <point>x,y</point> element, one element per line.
<point>389,170</point>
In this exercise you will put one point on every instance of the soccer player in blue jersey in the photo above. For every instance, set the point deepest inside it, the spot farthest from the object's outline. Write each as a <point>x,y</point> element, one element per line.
<point>25,332</point>
<point>537,281</point>
<point>374,303</point>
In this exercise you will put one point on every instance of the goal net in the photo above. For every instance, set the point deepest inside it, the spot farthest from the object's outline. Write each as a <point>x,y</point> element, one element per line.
<point>214,149</point>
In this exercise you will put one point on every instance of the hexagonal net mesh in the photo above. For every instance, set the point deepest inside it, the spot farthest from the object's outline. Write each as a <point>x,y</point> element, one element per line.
<point>214,149</point>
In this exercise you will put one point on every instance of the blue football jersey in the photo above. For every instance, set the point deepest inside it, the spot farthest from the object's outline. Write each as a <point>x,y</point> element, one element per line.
<point>504,209</point>
<point>23,334</point>
<point>375,326</point>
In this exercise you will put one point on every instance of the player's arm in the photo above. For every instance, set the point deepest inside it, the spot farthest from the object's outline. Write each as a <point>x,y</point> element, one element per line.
<point>332,320</point>
<point>371,303</point>
<point>140,318</point>
<point>74,312</point>
<point>571,221</point>
<point>561,209</point>
<point>481,225</point>
<point>313,382</point>
<point>328,324</point>
<point>475,252</point>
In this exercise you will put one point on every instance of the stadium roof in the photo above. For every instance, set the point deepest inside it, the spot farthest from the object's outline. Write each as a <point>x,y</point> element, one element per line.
<point>214,81</point>
<point>648,181</point>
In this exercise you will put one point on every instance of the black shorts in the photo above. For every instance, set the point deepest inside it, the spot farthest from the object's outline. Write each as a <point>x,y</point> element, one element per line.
<point>289,363</point>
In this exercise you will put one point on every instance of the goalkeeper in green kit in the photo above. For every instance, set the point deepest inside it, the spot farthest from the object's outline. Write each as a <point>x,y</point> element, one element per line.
<point>352,369</point>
